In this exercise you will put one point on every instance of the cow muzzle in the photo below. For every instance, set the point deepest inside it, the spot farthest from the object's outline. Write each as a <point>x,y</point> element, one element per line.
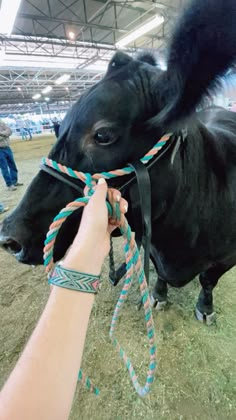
<point>11,245</point>
<point>26,254</point>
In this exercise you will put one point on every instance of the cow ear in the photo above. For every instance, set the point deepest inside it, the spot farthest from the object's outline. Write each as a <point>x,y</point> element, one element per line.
<point>203,47</point>
<point>147,58</point>
<point>118,60</point>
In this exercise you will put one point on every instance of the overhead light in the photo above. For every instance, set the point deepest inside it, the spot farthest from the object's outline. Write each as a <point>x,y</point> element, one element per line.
<point>140,31</point>
<point>37,96</point>
<point>71,35</point>
<point>47,90</point>
<point>47,99</point>
<point>8,15</point>
<point>62,79</point>
<point>18,88</point>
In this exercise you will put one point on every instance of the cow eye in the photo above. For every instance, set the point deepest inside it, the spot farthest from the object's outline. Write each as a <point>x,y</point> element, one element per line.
<point>104,137</point>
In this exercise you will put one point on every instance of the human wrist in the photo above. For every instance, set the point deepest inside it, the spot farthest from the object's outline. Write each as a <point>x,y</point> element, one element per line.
<point>82,261</point>
<point>71,297</point>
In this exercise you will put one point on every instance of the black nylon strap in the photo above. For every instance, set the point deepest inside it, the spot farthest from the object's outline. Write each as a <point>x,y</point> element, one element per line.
<point>142,212</point>
<point>62,178</point>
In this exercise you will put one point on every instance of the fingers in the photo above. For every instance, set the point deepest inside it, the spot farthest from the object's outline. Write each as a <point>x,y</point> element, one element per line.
<point>100,193</point>
<point>115,199</point>
<point>123,206</point>
<point>119,206</point>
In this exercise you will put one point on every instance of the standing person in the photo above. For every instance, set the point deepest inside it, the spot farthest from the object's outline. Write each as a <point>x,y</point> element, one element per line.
<point>23,133</point>
<point>56,126</point>
<point>20,125</point>
<point>7,162</point>
<point>27,125</point>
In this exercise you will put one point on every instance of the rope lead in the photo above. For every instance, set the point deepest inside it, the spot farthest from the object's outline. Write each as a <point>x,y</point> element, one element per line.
<point>133,264</point>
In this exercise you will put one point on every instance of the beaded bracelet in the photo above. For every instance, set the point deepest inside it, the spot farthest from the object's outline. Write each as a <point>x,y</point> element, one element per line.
<point>74,280</point>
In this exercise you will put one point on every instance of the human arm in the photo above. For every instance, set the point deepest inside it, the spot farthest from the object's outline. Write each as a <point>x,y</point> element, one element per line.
<point>43,382</point>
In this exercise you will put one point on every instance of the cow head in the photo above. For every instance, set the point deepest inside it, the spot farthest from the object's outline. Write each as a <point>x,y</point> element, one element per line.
<point>122,116</point>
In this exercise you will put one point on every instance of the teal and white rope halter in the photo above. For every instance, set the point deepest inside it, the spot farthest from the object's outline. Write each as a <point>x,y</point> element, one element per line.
<point>132,257</point>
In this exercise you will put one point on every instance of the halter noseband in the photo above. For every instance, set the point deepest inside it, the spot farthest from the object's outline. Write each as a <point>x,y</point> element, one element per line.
<point>48,164</point>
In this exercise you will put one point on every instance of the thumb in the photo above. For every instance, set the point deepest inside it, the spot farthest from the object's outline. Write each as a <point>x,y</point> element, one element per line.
<point>100,193</point>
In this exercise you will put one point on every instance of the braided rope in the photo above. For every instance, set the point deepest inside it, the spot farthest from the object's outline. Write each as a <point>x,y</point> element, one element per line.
<point>54,229</point>
<point>133,263</point>
<point>88,178</point>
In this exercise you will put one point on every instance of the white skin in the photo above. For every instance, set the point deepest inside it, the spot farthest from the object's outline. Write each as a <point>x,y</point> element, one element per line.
<point>43,382</point>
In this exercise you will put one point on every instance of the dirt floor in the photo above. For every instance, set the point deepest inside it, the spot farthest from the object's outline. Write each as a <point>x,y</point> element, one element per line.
<point>196,377</point>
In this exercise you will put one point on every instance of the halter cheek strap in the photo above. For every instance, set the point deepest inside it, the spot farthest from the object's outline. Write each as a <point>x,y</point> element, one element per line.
<point>142,213</point>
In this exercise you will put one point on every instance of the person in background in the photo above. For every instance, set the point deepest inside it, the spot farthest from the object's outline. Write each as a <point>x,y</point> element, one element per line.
<point>20,126</point>
<point>7,162</point>
<point>27,125</point>
<point>3,209</point>
<point>23,133</point>
<point>56,126</point>
<point>43,383</point>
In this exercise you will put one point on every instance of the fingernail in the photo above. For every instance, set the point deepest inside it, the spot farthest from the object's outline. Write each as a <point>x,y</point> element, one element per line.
<point>118,198</point>
<point>101,181</point>
<point>125,208</point>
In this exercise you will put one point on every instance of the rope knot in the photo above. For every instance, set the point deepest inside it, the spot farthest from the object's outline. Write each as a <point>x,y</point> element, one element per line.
<point>90,184</point>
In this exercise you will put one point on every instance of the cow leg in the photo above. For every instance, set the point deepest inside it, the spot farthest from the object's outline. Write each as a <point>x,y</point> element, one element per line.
<point>159,294</point>
<point>204,309</point>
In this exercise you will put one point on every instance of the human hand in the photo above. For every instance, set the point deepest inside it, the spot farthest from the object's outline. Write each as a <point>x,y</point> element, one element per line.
<point>92,242</point>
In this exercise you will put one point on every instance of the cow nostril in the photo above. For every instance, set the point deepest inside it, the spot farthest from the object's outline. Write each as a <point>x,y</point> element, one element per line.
<point>11,245</point>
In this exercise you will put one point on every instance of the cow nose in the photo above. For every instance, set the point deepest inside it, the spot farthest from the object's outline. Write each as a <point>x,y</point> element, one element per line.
<point>10,245</point>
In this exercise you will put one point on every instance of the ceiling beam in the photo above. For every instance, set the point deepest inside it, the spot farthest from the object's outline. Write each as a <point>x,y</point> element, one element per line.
<point>69,22</point>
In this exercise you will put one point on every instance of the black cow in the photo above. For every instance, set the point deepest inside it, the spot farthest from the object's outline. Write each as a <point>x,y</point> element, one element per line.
<point>193,184</point>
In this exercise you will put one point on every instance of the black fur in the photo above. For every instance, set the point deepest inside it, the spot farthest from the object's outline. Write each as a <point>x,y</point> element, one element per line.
<point>147,58</point>
<point>202,49</point>
<point>193,194</point>
<point>119,60</point>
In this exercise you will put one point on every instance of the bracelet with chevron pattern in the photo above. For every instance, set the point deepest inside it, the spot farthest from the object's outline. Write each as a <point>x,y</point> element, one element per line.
<point>74,280</point>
